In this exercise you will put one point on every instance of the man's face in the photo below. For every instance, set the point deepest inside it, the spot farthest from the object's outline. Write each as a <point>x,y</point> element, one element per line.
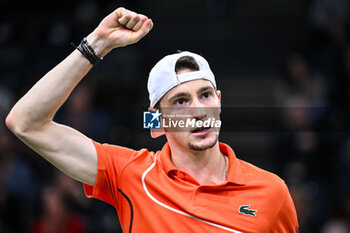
<point>196,100</point>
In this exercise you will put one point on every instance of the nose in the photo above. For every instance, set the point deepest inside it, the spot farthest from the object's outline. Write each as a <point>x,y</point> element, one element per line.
<point>198,110</point>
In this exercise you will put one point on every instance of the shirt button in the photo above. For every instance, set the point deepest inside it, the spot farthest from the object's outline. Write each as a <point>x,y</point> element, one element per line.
<point>181,175</point>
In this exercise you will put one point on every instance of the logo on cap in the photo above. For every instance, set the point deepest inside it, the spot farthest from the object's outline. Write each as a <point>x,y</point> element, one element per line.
<point>151,120</point>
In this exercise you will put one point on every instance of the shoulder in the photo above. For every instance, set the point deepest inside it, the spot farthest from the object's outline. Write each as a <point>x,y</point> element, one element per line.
<point>271,195</point>
<point>119,156</point>
<point>266,181</point>
<point>115,150</point>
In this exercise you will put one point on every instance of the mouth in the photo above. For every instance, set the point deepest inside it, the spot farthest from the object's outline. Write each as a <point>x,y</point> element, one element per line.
<point>200,131</point>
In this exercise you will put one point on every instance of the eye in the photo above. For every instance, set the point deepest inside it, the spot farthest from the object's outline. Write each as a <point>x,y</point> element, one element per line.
<point>180,101</point>
<point>206,95</point>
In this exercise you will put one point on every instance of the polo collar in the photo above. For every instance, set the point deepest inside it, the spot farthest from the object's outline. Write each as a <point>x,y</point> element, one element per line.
<point>234,175</point>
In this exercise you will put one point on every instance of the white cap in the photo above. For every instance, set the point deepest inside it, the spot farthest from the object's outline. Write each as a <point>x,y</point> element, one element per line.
<point>163,77</point>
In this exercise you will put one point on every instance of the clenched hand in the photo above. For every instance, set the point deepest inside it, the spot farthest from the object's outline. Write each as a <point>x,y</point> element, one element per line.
<point>120,28</point>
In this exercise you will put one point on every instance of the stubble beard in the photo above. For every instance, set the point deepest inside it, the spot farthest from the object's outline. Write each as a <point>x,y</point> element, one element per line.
<point>195,147</point>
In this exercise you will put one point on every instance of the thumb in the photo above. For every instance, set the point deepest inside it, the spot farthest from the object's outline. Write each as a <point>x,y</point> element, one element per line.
<point>144,30</point>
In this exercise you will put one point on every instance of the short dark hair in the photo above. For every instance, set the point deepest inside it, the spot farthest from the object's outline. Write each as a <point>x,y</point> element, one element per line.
<point>185,62</point>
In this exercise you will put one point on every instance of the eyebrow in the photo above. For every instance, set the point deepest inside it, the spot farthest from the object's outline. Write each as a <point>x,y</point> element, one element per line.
<point>185,94</point>
<point>207,88</point>
<point>178,95</point>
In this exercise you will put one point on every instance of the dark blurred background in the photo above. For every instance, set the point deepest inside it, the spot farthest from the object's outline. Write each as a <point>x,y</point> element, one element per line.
<point>289,56</point>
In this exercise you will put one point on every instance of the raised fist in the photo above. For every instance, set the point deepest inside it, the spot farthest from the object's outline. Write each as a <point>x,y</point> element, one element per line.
<point>120,28</point>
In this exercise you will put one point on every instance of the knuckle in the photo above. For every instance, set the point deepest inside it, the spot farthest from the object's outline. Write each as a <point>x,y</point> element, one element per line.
<point>143,18</point>
<point>120,9</point>
<point>136,18</point>
<point>130,12</point>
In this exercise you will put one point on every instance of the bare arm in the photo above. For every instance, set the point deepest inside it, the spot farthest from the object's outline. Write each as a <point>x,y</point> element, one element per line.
<point>31,118</point>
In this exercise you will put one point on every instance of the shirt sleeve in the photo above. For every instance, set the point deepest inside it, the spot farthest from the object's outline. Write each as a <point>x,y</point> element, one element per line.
<point>286,220</point>
<point>110,162</point>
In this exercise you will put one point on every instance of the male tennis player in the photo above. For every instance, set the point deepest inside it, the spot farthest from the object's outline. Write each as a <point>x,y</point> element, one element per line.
<point>194,184</point>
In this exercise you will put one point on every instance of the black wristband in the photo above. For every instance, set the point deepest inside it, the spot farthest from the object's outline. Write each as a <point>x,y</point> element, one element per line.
<point>88,52</point>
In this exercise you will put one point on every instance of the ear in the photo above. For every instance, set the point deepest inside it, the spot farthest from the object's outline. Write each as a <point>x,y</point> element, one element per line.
<point>218,93</point>
<point>155,133</point>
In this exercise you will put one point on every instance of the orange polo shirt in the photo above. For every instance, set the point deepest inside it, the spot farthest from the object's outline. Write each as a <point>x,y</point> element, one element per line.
<point>151,195</point>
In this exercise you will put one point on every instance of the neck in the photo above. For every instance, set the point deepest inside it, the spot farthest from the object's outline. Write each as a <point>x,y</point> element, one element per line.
<point>204,166</point>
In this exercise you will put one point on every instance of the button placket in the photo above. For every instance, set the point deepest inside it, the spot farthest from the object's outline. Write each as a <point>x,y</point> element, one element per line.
<point>180,175</point>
